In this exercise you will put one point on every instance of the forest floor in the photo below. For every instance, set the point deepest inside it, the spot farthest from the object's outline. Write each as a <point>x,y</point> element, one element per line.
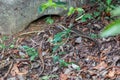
<point>82,56</point>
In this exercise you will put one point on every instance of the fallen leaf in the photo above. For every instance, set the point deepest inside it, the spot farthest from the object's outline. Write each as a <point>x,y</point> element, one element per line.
<point>105,51</point>
<point>111,74</point>
<point>15,71</point>
<point>85,29</point>
<point>97,25</point>
<point>117,72</point>
<point>101,66</point>
<point>63,76</point>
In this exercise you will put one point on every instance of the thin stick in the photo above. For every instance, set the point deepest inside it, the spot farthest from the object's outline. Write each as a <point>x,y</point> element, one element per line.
<point>31,32</point>
<point>8,70</point>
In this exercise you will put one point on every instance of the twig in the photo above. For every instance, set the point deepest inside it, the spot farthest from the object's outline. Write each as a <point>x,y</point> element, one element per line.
<point>31,32</point>
<point>79,33</point>
<point>8,70</point>
<point>113,51</point>
<point>41,57</point>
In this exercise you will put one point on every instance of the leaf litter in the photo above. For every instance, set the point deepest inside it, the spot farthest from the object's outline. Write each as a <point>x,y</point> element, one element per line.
<point>79,58</point>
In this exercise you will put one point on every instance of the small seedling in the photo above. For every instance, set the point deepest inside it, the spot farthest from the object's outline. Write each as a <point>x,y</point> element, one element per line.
<point>47,77</point>
<point>61,62</point>
<point>50,4</point>
<point>31,52</point>
<point>86,17</point>
<point>113,28</point>
<point>49,20</point>
<point>2,46</point>
<point>72,11</point>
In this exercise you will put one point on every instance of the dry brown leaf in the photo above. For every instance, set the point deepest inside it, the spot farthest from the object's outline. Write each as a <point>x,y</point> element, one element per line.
<point>85,29</point>
<point>118,72</point>
<point>107,50</point>
<point>93,58</point>
<point>63,76</point>
<point>111,74</point>
<point>15,51</point>
<point>15,71</point>
<point>101,66</point>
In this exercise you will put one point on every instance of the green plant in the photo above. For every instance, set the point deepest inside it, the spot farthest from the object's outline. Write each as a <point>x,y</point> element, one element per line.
<point>4,46</point>
<point>61,62</point>
<point>86,16</point>
<point>50,4</point>
<point>49,20</point>
<point>82,16</point>
<point>57,42</point>
<point>47,77</point>
<point>109,5</point>
<point>59,36</point>
<point>113,28</point>
<point>72,10</point>
<point>31,52</point>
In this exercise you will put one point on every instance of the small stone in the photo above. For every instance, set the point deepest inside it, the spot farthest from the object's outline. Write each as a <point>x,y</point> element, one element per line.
<point>74,66</point>
<point>67,71</point>
<point>78,40</point>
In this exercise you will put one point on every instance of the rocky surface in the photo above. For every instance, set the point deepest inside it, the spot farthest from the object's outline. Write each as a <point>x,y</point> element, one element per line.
<point>15,15</point>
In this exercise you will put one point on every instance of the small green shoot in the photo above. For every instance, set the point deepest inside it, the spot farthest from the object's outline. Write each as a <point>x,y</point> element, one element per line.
<point>59,36</point>
<point>31,52</point>
<point>72,10</point>
<point>47,77</point>
<point>56,59</point>
<point>49,20</point>
<point>12,46</point>
<point>61,53</point>
<point>56,47</point>
<point>63,63</point>
<point>116,12</point>
<point>4,38</point>
<point>112,29</point>
<point>96,14</point>
<point>86,17</point>
<point>50,4</point>
<point>94,36</point>
<point>2,46</point>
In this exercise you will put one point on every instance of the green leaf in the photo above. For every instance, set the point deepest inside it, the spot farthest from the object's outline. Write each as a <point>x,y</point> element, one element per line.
<point>63,63</point>
<point>80,10</point>
<point>86,16</point>
<point>112,29</point>
<point>2,46</point>
<point>4,38</point>
<point>40,9</point>
<point>93,36</point>
<point>116,12</point>
<point>31,52</point>
<point>58,37</point>
<point>49,20</point>
<point>61,53</point>
<point>96,14</point>
<point>47,77</point>
<point>108,2</point>
<point>56,47</point>
<point>12,46</point>
<point>60,3</point>
<point>56,59</point>
<point>71,11</point>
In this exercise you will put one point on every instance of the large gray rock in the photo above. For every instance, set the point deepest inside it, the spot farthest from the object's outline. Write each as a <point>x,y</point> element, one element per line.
<point>15,15</point>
